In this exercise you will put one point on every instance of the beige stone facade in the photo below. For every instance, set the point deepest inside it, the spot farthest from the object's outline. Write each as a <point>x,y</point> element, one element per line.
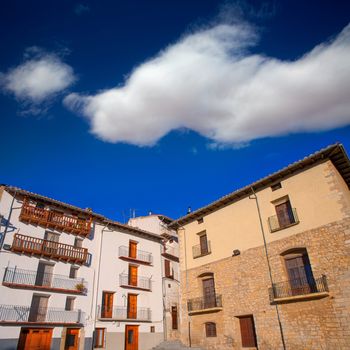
<point>317,317</point>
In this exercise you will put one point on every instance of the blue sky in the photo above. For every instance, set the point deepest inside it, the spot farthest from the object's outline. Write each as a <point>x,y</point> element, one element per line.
<point>161,105</point>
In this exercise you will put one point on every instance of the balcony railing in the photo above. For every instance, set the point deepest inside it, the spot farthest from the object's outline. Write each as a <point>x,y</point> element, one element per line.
<point>171,252</point>
<point>298,287</point>
<point>141,256</point>
<point>198,250</point>
<point>51,249</point>
<point>18,278</point>
<point>50,218</point>
<point>121,313</point>
<point>139,282</point>
<point>203,303</point>
<point>276,224</point>
<point>25,314</point>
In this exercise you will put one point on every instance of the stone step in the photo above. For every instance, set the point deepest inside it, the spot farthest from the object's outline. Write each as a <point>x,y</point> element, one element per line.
<point>173,345</point>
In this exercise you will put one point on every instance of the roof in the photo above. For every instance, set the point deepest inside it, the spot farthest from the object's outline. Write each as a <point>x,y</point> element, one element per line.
<point>161,217</point>
<point>86,212</point>
<point>336,153</point>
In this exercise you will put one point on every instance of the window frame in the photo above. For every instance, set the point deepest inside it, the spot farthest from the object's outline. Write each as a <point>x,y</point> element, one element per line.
<point>101,337</point>
<point>210,330</point>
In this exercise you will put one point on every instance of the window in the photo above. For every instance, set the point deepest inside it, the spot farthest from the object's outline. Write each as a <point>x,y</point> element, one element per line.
<point>133,275</point>
<point>73,272</point>
<point>69,303</point>
<point>284,214</point>
<point>247,331</point>
<point>210,329</point>
<point>38,308</point>
<point>168,271</point>
<point>100,338</point>
<point>153,329</point>
<point>174,317</point>
<point>132,306</point>
<point>78,242</point>
<point>276,186</point>
<point>44,274</point>
<point>209,298</point>
<point>300,276</point>
<point>51,236</point>
<point>203,244</point>
<point>107,304</point>
<point>200,220</point>
<point>132,249</point>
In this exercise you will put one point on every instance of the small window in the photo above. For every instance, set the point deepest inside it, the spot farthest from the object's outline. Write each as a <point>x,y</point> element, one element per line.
<point>276,186</point>
<point>69,304</point>
<point>100,338</point>
<point>153,329</point>
<point>210,329</point>
<point>78,242</point>
<point>73,272</point>
<point>200,221</point>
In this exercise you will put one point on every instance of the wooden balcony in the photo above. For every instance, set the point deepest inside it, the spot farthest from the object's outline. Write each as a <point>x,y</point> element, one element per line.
<point>18,314</point>
<point>55,220</point>
<point>27,279</point>
<point>50,249</point>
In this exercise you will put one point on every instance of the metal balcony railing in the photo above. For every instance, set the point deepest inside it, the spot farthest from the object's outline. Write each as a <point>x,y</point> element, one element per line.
<point>23,314</point>
<point>50,218</point>
<point>300,286</point>
<point>198,250</point>
<point>122,313</point>
<point>141,282</point>
<point>51,249</point>
<point>276,224</point>
<point>203,303</point>
<point>141,255</point>
<point>15,277</point>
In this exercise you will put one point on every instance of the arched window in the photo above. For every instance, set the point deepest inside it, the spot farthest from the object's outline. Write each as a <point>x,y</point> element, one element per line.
<point>298,267</point>
<point>210,329</point>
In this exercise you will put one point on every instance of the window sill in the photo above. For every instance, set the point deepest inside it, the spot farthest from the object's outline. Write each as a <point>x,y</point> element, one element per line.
<point>296,298</point>
<point>199,256</point>
<point>284,227</point>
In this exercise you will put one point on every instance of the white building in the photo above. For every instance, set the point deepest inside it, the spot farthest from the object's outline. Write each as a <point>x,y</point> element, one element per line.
<point>71,279</point>
<point>158,224</point>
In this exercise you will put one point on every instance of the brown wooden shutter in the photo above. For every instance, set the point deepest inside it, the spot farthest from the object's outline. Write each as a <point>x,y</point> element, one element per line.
<point>209,298</point>
<point>284,214</point>
<point>132,249</point>
<point>132,275</point>
<point>107,304</point>
<point>210,329</point>
<point>247,331</point>
<point>174,317</point>
<point>132,306</point>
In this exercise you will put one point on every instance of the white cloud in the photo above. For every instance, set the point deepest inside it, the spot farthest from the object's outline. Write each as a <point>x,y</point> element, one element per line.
<point>208,82</point>
<point>38,78</point>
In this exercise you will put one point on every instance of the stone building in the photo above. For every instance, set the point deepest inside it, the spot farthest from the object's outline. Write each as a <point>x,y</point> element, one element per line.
<point>268,266</point>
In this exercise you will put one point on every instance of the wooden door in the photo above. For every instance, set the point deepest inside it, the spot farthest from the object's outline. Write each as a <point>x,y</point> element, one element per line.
<point>131,337</point>
<point>44,274</point>
<point>133,275</point>
<point>298,279</point>
<point>284,214</point>
<point>247,331</point>
<point>167,268</point>
<point>209,299</point>
<point>132,249</point>
<point>38,308</point>
<point>132,306</point>
<point>203,244</point>
<point>72,339</point>
<point>174,317</point>
<point>107,305</point>
<point>35,339</point>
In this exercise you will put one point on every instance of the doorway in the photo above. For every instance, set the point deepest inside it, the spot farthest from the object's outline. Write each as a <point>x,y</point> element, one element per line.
<point>35,339</point>
<point>131,337</point>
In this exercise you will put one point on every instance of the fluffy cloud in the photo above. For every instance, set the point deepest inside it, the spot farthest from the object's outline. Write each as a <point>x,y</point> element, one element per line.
<point>38,78</point>
<point>210,83</point>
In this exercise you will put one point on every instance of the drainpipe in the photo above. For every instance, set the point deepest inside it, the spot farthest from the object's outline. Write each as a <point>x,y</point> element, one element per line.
<point>254,196</point>
<point>165,330</point>
<point>8,220</point>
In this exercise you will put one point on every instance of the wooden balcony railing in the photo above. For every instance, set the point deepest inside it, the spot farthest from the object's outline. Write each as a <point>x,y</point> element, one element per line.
<point>55,220</point>
<point>137,282</point>
<point>298,287</point>
<point>121,313</point>
<point>141,256</point>
<point>19,278</point>
<point>50,249</point>
<point>27,314</point>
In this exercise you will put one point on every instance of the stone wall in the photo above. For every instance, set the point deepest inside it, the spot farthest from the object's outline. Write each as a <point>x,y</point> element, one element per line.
<point>244,282</point>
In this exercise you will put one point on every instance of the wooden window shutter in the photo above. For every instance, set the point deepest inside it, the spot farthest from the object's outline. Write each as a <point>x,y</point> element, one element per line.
<point>167,268</point>
<point>210,329</point>
<point>174,317</point>
<point>203,244</point>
